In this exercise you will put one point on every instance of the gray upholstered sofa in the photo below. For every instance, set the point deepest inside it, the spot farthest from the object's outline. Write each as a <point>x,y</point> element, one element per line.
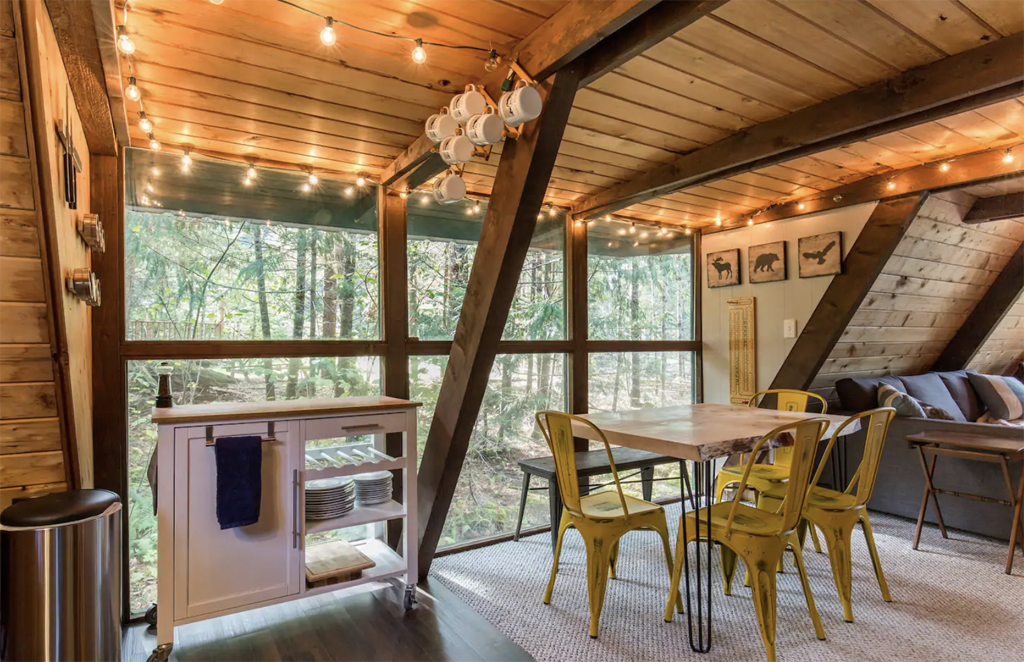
<point>900,478</point>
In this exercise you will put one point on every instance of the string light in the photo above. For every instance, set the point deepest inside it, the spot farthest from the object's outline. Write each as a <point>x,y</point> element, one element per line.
<point>360,180</point>
<point>419,55</point>
<point>149,187</point>
<point>944,167</point>
<point>124,42</point>
<point>306,187</point>
<point>186,161</point>
<point>492,61</point>
<point>327,35</point>
<point>632,228</point>
<point>348,192</point>
<point>132,91</point>
<point>643,235</point>
<point>801,206</point>
<point>469,211</point>
<point>156,172</point>
<point>553,211</point>
<point>687,231</point>
<point>622,231</point>
<point>154,144</point>
<point>251,172</point>
<point>579,224</point>
<point>476,208</point>
<point>718,221</point>
<point>1008,157</point>
<point>891,185</point>
<point>750,222</point>
<point>403,195</point>
<point>144,123</point>
<point>424,199</point>
<point>636,243</point>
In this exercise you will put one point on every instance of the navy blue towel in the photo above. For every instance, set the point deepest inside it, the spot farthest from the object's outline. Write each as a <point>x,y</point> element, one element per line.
<point>239,480</point>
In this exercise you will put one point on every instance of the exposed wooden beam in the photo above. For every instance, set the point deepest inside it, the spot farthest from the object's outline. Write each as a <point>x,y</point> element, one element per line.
<point>652,27</point>
<point>523,174</point>
<point>986,316</point>
<point>998,208</point>
<point>977,168</point>
<point>875,244</point>
<point>975,78</point>
<point>75,28</point>
<point>569,33</point>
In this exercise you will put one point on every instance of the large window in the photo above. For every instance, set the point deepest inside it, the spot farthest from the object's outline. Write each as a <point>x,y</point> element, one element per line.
<point>442,245</point>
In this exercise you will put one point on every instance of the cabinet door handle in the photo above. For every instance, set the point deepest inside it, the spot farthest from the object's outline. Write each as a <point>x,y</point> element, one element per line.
<point>295,508</point>
<point>368,426</point>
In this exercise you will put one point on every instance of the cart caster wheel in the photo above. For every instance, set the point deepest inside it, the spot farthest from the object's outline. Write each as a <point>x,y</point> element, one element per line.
<point>160,653</point>
<point>410,598</point>
<point>150,619</point>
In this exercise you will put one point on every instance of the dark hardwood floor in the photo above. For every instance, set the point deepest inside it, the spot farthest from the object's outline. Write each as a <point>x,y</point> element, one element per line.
<point>367,626</point>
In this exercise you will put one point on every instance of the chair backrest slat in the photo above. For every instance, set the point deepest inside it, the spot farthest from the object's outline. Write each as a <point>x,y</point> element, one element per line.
<point>875,422</point>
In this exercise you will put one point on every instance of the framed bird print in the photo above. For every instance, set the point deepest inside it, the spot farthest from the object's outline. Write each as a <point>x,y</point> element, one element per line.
<point>767,263</point>
<point>724,268</point>
<point>821,255</point>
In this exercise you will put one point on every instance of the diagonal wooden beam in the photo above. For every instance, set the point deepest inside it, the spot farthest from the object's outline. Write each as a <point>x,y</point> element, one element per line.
<point>872,249</point>
<point>523,173</point>
<point>982,76</point>
<point>571,33</point>
<point>998,208</point>
<point>986,316</point>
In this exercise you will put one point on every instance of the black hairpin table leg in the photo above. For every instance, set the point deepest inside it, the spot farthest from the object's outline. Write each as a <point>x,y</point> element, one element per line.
<point>703,477</point>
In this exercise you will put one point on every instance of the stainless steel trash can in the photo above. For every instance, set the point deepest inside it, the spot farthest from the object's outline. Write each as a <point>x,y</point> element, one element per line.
<point>61,583</point>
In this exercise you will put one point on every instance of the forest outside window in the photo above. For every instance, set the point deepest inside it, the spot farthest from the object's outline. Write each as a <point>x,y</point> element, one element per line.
<point>210,258</point>
<point>640,282</point>
<point>442,244</point>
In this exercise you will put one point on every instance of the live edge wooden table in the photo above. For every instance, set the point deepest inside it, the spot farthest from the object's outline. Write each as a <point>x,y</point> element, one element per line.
<point>978,447</point>
<point>700,433</point>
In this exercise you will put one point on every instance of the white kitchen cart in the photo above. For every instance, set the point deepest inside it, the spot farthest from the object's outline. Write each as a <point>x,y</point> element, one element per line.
<point>204,572</point>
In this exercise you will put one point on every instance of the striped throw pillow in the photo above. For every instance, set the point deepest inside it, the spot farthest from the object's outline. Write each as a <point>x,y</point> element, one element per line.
<point>1003,396</point>
<point>905,405</point>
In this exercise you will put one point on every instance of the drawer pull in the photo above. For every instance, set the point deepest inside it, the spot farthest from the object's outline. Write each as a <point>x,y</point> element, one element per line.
<point>368,426</point>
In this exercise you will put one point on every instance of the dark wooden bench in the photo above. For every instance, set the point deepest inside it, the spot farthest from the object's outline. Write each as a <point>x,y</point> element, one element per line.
<point>590,463</point>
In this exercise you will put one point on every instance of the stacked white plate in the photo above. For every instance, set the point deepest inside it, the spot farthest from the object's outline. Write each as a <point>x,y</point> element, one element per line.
<point>373,488</point>
<point>327,498</point>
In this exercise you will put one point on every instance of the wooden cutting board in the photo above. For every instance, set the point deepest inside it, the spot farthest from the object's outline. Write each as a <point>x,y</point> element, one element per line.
<point>333,559</point>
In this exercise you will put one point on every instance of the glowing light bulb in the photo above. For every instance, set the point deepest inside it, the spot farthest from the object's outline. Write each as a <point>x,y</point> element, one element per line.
<point>643,235</point>
<point>403,195</point>
<point>124,42</point>
<point>750,222</point>
<point>156,172</point>
<point>688,231</point>
<point>305,187</point>
<point>890,184</point>
<point>424,199</point>
<point>469,211</point>
<point>360,181</point>
<point>327,35</point>
<point>579,223</point>
<point>145,199</point>
<point>144,122</point>
<point>313,179</point>
<point>553,212</point>
<point>476,209</point>
<point>154,144</point>
<point>492,61</point>
<point>132,91</point>
<point>623,231</point>
<point>718,222</point>
<point>636,243</point>
<point>419,56</point>
<point>186,161</point>
<point>540,217</point>
<point>247,181</point>
<point>944,167</point>
<point>251,173</point>
<point>1008,157</point>
<point>348,192</point>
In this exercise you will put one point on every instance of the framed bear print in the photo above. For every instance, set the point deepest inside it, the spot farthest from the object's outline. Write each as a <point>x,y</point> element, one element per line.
<point>766,263</point>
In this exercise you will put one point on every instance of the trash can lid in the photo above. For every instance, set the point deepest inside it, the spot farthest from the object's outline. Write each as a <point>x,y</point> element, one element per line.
<point>58,508</point>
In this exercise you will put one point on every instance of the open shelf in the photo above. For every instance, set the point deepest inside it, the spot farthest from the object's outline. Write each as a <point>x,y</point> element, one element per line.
<point>355,469</point>
<point>360,515</point>
<point>389,564</point>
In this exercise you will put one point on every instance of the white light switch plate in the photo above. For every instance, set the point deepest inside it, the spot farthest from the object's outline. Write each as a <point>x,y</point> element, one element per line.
<point>789,328</point>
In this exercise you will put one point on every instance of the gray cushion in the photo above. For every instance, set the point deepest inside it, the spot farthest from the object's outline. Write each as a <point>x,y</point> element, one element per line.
<point>930,388</point>
<point>1004,396</point>
<point>905,405</point>
<point>963,393</point>
<point>858,395</point>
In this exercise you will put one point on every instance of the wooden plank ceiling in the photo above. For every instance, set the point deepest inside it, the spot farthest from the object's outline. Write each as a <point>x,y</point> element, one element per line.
<point>252,79</point>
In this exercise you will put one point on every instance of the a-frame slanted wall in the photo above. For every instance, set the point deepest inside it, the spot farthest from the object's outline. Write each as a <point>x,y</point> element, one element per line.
<point>937,274</point>
<point>1003,351</point>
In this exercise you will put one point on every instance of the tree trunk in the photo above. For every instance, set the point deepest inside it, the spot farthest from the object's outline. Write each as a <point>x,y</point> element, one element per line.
<point>261,290</point>
<point>330,321</point>
<point>347,293</point>
<point>299,312</point>
<point>634,316</point>
<point>312,283</point>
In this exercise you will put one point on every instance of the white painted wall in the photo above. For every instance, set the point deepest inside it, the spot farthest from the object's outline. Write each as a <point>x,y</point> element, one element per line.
<point>793,298</point>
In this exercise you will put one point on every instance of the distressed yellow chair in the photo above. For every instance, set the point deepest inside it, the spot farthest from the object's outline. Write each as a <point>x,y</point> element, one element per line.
<point>601,518</point>
<point>837,513</point>
<point>758,536</point>
<point>766,476</point>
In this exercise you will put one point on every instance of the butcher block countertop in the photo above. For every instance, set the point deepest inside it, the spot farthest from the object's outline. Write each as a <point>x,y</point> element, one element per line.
<point>237,411</point>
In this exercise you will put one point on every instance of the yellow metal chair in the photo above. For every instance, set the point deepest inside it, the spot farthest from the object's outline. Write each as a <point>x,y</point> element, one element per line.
<point>766,476</point>
<point>601,518</point>
<point>757,536</point>
<point>837,513</point>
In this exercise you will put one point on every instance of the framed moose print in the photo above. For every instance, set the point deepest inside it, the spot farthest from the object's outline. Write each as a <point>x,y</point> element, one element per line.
<point>724,268</point>
<point>821,255</point>
<point>766,263</point>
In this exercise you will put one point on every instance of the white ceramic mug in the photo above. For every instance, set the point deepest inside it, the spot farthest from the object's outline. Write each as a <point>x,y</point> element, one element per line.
<point>520,105</point>
<point>456,149</point>
<point>464,106</point>
<point>449,189</point>
<point>441,125</point>
<point>485,128</point>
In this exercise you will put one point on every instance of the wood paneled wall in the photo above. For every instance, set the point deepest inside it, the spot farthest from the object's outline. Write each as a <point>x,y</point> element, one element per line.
<point>938,273</point>
<point>31,455</point>
<point>1004,349</point>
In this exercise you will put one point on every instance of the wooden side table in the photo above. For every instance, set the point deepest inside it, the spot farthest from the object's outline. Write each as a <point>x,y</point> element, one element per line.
<point>977,447</point>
